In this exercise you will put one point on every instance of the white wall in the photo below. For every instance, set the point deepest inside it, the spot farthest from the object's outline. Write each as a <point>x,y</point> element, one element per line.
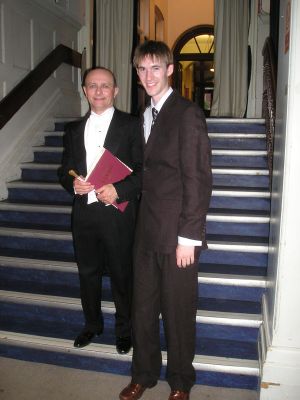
<point>30,30</point>
<point>281,369</point>
<point>183,15</point>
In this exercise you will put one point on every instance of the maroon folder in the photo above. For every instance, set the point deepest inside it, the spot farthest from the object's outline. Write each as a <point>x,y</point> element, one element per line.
<point>108,169</point>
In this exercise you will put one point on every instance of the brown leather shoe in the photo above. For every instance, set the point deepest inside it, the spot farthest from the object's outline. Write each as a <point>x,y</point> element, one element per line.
<point>179,395</point>
<point>133,391</point>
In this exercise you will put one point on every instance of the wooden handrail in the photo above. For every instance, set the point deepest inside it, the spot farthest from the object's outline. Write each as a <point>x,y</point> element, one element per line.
<point>17,97</point>
<point>269,98</point>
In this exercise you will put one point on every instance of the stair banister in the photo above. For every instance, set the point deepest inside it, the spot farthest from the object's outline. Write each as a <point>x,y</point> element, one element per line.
<point>269,97</point>
<point>18,96</point>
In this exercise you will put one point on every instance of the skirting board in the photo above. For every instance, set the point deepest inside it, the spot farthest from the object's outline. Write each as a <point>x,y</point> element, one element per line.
<point>264,340</point>
<point>279,367</point>
<point>280,374</point>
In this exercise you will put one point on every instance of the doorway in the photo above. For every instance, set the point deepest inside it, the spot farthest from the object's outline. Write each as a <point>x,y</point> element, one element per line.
<point>194,65</point>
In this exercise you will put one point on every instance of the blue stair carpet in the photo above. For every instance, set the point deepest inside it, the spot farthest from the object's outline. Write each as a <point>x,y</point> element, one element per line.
<point>40,310</point>
<point>224,341</point>
<point>47,281</point>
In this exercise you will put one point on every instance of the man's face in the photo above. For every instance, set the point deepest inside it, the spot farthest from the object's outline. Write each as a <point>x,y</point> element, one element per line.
<point>100,90</point>
<point>154,75</point>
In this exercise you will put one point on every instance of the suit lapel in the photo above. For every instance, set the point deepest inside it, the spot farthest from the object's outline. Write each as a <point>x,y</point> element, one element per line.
<point>112,140</point>
<point>78,139</point>
<point>158,127</point>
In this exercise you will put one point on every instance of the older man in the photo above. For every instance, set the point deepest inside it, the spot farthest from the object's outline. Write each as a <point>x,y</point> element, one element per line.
<point>102,234</point>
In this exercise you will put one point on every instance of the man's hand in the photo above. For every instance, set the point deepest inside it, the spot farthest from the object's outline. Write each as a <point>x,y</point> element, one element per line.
<point>185,255</point>
<point>81,187</point>
<point>107,194</point>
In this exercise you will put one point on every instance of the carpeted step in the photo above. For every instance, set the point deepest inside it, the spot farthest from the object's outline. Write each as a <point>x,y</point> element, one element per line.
<point>236,141</point>
<point>222,197</point>
<point>48,155</point>
<point>239,158</point>
<point>231,269</point>
<point>242,141</point>
<point>219,221</point>
<point>250,177</point>
<point>38,193</point>
<point>238,223</point>
<point>53,244</point>
<point>216,371</point>
<point>219,140</point>
<point>42,172</point>
<point>55,277</point>
<point>61,242</point>
<point>54,139</point>
<point>35,216</point>
<point>236,125</point>
<point>60,123</point>
<point>62,318</point>
<point>50,277</point>
<point>238,198</point>
<point>220,157</point>
<point>234,177</point>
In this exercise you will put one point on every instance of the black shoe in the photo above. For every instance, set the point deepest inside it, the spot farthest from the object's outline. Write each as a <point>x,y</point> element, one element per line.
<point>123,344</point>
<point>85,338</point>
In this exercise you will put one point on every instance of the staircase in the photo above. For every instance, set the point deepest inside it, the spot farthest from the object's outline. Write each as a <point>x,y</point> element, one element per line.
<point>40,311</point>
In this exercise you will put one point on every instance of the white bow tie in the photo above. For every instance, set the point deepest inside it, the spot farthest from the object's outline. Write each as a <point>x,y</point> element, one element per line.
<point>96,117</point>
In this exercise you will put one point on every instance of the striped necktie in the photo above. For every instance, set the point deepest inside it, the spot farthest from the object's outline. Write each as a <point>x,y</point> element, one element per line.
<point>154,115</point>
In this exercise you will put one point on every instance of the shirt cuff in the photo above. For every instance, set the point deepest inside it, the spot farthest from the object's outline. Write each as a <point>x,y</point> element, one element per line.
<point>92,198</point>
<point>189,242</point>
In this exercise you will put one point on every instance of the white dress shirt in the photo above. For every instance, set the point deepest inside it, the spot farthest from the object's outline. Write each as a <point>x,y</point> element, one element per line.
<point>148,113</point>
<point>95,132</point>
<point>147,130</point>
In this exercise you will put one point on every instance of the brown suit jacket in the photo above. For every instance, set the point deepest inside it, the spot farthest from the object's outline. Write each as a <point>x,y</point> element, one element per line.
<point>177,179</point>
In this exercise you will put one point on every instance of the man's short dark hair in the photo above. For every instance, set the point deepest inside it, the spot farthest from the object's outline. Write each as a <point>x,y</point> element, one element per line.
<point>87,71</point>
<point>153,49</point>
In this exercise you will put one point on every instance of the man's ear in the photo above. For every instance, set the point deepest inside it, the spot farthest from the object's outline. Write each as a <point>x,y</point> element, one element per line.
<point>84,91</point>
<point>116,91</point>
<point>170,69</point>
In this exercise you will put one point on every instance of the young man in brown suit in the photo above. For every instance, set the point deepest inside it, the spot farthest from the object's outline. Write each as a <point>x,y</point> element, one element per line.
<point>170,230</point>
